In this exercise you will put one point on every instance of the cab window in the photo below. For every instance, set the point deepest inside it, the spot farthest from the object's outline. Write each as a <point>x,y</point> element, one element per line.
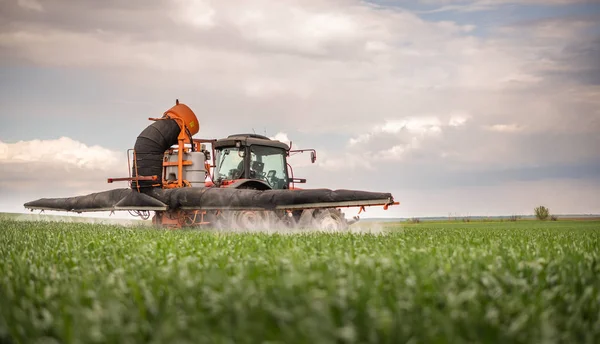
<point>229,163</point>
<point>268,164</point>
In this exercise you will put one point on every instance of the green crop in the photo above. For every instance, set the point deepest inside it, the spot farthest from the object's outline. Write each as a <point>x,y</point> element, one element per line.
<point>525,282</point>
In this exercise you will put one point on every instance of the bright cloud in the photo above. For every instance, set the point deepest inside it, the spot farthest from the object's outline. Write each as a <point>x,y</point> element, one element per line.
<point>505,128</point>
<point>458,120</point>
<point>418,125</point>
<point>394,139</point>
<point>31,5</point>
<point>198,13</point>
<point>55,168</point>
<point>283,137</point>
<point>62,151</point>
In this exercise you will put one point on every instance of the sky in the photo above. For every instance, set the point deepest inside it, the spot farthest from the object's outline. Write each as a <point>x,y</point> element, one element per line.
<point>456,107</point>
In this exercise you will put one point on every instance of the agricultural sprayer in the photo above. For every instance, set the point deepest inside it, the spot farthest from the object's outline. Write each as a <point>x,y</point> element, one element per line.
<point>241,181</point>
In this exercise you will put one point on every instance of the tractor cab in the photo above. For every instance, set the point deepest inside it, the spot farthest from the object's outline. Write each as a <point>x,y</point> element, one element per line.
<point>253,157</point>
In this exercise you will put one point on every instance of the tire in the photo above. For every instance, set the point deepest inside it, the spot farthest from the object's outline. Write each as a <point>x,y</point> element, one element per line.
<point>249,220</point>
<point>331,220</point>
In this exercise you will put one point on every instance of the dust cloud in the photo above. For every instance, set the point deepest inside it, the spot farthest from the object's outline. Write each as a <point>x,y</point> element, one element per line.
<point>268,227</point>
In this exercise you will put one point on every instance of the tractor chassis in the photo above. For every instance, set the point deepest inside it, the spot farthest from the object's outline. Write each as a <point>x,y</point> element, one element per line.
<point>253,219</point>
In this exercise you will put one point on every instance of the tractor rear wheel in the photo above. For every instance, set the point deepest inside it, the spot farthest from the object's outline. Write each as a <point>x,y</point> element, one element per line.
<point>330,220</point>
<point>249,220</point>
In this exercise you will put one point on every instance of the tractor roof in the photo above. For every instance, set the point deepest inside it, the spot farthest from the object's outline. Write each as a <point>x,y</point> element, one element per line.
<point>250,139</point>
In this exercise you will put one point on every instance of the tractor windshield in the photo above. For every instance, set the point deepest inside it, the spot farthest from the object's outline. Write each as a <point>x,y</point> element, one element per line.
<point>230,163</point>
<point>268,164</point>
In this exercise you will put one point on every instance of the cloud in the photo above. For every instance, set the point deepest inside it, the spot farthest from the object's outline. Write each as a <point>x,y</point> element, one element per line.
<point>488,5</point>
<point>456,120</point>
<point>198,13</point>
<point>62,166</point>
<point>31,5</point>
<point>395,139</point>
<point>283,137</point>
<point>504,128</point>
<point>63,152</point>
<point>293,27</point>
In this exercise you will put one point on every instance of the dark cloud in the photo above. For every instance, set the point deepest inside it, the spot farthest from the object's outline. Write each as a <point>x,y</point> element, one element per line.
<point>87,15</point>
<point>583,58</point>
<point>570,46</point>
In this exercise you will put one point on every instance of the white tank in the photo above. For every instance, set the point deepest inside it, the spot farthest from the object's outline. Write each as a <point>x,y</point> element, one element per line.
<point>194,173</point>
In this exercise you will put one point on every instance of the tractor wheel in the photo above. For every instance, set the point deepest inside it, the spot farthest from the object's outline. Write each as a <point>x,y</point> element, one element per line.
<point>249,220</point>
<point>331,220</point>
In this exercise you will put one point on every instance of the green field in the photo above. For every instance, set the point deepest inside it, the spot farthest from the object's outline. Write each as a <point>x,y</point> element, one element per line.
<point>527,282</point>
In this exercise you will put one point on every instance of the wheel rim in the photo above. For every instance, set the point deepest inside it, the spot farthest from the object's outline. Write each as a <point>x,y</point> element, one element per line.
<point>249,220</point>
